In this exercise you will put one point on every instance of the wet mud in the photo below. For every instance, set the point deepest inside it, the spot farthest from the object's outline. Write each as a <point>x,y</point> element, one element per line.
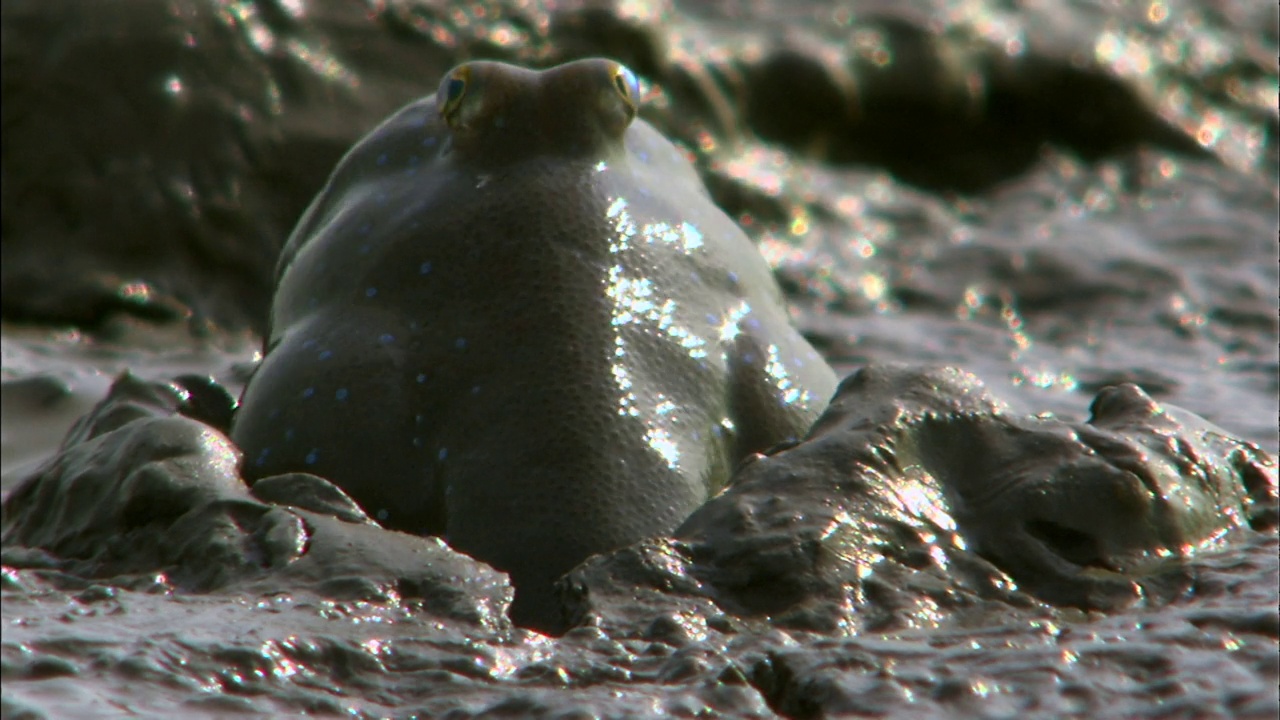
<point>1039,246</point>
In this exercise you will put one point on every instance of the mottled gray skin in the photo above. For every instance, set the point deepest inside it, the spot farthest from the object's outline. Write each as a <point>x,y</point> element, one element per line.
<point>522,324</point>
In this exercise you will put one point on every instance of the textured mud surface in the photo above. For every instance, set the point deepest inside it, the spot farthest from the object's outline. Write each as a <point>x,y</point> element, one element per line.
<point>1059,200</point>
<point>919,501</point>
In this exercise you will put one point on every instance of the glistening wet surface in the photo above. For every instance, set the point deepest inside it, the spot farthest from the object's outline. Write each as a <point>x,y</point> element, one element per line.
<point>1057,200</point>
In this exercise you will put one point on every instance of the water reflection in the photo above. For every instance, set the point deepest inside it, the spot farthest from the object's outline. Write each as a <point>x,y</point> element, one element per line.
<point>639,304</point>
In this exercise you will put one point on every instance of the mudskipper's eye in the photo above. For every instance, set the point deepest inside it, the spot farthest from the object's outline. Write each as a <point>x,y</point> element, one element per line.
<point>452,89</point>
<point>628,86</point>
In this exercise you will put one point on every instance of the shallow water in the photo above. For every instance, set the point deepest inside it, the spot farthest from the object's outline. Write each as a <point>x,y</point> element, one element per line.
<point>1106,214</point>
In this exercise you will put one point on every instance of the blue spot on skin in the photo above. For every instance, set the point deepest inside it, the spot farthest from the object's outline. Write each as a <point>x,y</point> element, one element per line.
<point>475,390</point>
<point>752,324</point>
<point>274,414</point>
<point>422,377</point>
<point>262,457</point>
<point>460,343</point>
<point>308,392</point>
<point>382,159</point>
<point>429,141</point>
<point>444,453</point>
<point>341,394</point>
<point>424,268</point>
<point>383,514</point>
<point>711,318</point>
<point>365,228</point>
<point>643,155</point>
<point>312,456</point>
<point>386,338</point>
<point>309,344</point>
<point>417,419</point>
<point>733,277</point>
<point>325,354</point>
<point>370,292</point>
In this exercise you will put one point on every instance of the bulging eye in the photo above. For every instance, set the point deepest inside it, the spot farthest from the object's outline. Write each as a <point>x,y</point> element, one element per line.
<point>628,86</point>
<point>452,89</point>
